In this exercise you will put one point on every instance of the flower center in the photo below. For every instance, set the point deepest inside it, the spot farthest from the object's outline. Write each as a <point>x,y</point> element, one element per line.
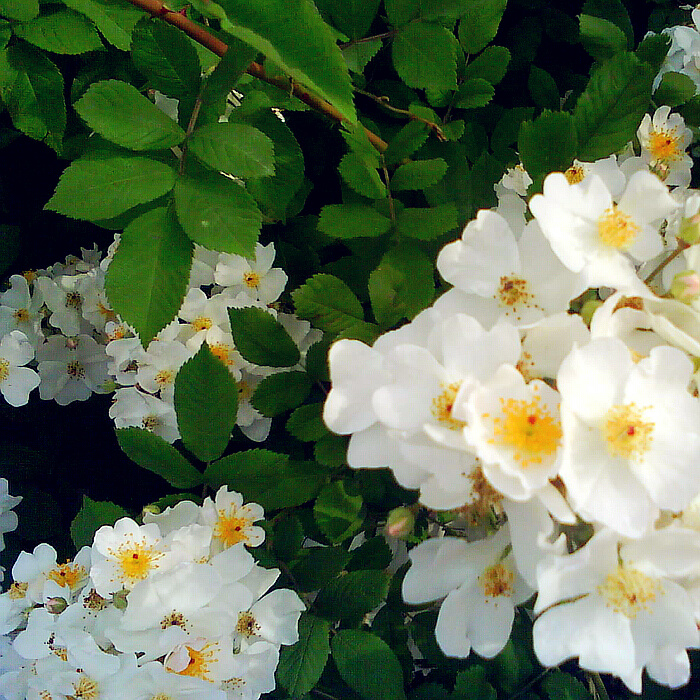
<point>513,292</point>
<point>497,581</point>
<point>21,315</point>
<point>202,323</point>
<point>150,422</point>
<point>135,560</point>
<point>222,352</point>
<point>174,619</point>
<point>628,591</point>
<point>164,377</point>
<point>230,529</point>
<point>442,407</point>
<point>528,428</point>
<point>4,369</point>
<point>200,659</point>
<point>75,369</point>
<point>664,145</point>
<point>94,601</point>
<point>68,574</point>
<point>575,174</point>
<point>73,300</point>
<point>86,689</point>
<point>251,279</point>
<point>616,229</point>
<point>626,434</point>
<point>17,591</point>
<point>247,625</point>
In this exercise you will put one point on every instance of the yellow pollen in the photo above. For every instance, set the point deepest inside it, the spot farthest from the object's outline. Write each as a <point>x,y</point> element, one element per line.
<point>251,279</point>
<point>513,292</point>
<point>4,369</point>
<point>161,696</point>
<point>616,229</point>
<point>247,625</point>
<point>45,695</point>
<point>18,590</point>
<point>68,574</point>
<point>86,689</point>
<point>230,529</point>
<point>164,377</point>
<point>442,407</point>
<point>150,422</point>
<point>174,619</point>
<point>232,684</point>
<point>628,591</point>
<point>61,652</point>
<point>75,369</point>
<point>497,581</point>
<point>222,352</point>
<point>135,560</point>
<point>94,601</point>
<point>117,334</point>
<point>29,275</point>
<point>202,323</point>
<point>626,434</point>
<point>21,315</point>
<point>664,145</point>
<point>528,428</point>
<point>73,300</point>
<point>198,666</point>
<point>575,174</point>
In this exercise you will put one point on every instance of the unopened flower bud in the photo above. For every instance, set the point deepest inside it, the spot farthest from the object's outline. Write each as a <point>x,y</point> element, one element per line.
<point>588,309</point>
<point>119,599</point>
<point>151,509</point>
<point>690,229</point>
<point>56,605</point>
<point>400,522</point>
<point>686,286</point>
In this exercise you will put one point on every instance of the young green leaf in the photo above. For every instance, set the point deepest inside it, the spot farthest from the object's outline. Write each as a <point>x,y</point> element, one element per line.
<point>115,19</point>
<point>373,553</point>
<point>300,665</point>
<point>653,50</point>
<point>91,517</point>
<point>261,338</point>
<point>352,595</point>
<point>357,56</point>
<point>155,454</point>
<point>418,174</point>
<point>352,221</point>
<point>338,514</point>
<point>281,392</point>
<point>102,186</point>
<point>118,112</point>
<point>218,213</point>
<point>368,665</point>
<point>62,31</point>
<point>479,24</point>
<point>475,92</point>
<point>427,224</point>
<point>206,403</point>
<point>147,279</point>
<point>491,64</point>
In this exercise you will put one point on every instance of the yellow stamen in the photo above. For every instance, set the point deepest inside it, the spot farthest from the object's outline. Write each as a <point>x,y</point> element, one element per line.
<point>665,145</point>
<point>616,229</point>
<point>200,659</point>
<point>442,407</point>
<point>497,581</point>
<point>135,560</point>
<point>4,369</point>
<point>247,625</point>
<point>86,689</point>
<point>231,529</point>
<point>513,292</point>
<point>68,574</point>
<point>21,315</point>
<point>575,174</point>
<point>251,279</point>
<point>626,434</point>
<point>202,323</point>
<point>164,377</point>
<point>628,591</point>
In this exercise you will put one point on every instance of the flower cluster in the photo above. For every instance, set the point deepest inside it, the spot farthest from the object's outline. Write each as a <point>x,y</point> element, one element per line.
<point>59,321</point>
<point>176,608</point>
<point>8,518</point>
<point>684,53</point>
<point>553,439</point>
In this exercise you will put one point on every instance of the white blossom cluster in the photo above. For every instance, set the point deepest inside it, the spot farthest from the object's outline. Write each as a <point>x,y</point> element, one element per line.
<point>58,333</point>
<point>573,443</point>
<point>175,608</point>
<point>684,53</point>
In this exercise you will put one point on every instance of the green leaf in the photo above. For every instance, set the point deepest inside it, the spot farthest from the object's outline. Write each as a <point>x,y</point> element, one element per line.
<point>166,57</point>
<point>331,306</point>
<point>118,112</point>
<point>611,107</point>
<point>206,403</point>
<point>422,56</point>
<point>272,27</point>
<point>675,89</point>
<point>337,514</point>
<point>267,478</point>
<point>102,186</point>
<point>352,221</point>
<point>601,38</point>
<point>563,686</point>
<point>368,665</point>
<point>402,285</point>
<point>155,454</point>
<point>480,23</point>
<point>300,665</point>
<point>475,92</point>
<point>227,73</point>
<point>261,338</point>
<point>281,392</point>
<point>357,56</point>
<point>427,224</point>
<point>331,450</point>
<point>148,277</point>
<point>218,213</point>
<point>31,87</point>
<point>409,139</point>
<point>62,31</point>
<point>614,11</point>
<point>115,19</point>
<point>319,565</point>
<point>362,176</point>
<point>91,517</point>
<point>543,89</point>
<point>653,50</point>
<point>352,595</point>
<point>238,149</point>
<point>305,423</point>
<point>472,685</point>
<point>21,10</point>
<point>418,174</point>
<point>373,553</point>
<point>547,144</point>
<point>353,17</point>
<point>400,12</point>
<point>491,64</point>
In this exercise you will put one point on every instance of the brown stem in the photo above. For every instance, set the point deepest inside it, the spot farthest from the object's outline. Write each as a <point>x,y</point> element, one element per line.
<point>201,35</point>
<point>681,247</point>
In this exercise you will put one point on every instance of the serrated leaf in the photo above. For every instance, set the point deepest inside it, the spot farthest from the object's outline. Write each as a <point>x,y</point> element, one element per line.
<point>166,57</point>
<point>300,665</point>
<point>267,478</point>
<point>653,50</point>
<point>601,38</point>
<point>148,277</point>
<point>422,56</point>
<point>353,17</point>
<point>206,403</point>
<point>31,87</point>
<point>675,89</point>
<point>611,107</point>
<point>218,213</point>
<point>543,89</point>
<point>352,595</point>
<point>409,139</point>
<point>373,553</point>
<point>21,10</point>
<point>479,24</point>
<point>92,516</point>
<point>318,566</point>
<point>306,424</point>
<point>362,176</point>
<point>563,686</point>
<point>401,11</point>
<point>614,11</point>
<point>418,174</point>
<point>491,64</point>
<point>272,27</point>
<point>427,224</point>
<point>102,186</point>
<point>155,454</point>
<point>238,149</point>
<point>358,55</point>
<point>115,19</point>
<point>119,113</point>
<point>338,514</point>
<point>331,450</point>
<point>475,92</point>
<point>261,338</point>
<point>281,392</point>
<point>368,665</point>
<point>352,221</point>
<point>63,31</point>
<point>472,685</point>
<point>227,73</point>
<point>402,285</point>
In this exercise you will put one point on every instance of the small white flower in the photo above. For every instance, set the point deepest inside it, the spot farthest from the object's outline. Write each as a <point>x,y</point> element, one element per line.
<point>134,408</point>
<point>16,381</point>
<point>20,311</point>
<point>232,521</point>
